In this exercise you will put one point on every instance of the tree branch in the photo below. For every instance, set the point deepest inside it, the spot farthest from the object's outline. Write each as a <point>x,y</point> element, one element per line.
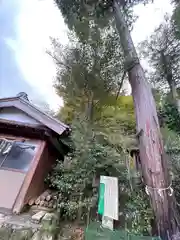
<point>57,61</point>
<point>120,85</point>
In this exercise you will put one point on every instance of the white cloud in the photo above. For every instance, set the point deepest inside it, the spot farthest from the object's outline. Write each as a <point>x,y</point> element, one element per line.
<point>38,20</point>
<point>149,17</point>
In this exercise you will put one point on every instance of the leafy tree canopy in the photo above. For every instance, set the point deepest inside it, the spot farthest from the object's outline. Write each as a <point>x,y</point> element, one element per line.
<point>176,18</point>
<point>89,73</point>
<point>97,153</point>
<point>82,15</point>
<point>162,50</point>
<point>92,67</point>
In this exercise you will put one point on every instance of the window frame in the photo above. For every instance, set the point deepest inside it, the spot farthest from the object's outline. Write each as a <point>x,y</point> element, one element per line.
<point>14,138</point>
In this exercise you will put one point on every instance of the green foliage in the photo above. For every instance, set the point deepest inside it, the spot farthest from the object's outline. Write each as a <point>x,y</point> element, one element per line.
<point>157,94</point>
<point>171,137</point>
<point>90,159</point>
<point>89,74</point>
<point>162,50</point>
<point>86,68</point>
<point>171,116</point>
<point>176,19</point>
<point>172,146</point>
<point>139,213</point>
<point>79,15</point>
<point>94,228</point>
<point>99,148</point>
<point>98,152</point>
<point>117,116</point>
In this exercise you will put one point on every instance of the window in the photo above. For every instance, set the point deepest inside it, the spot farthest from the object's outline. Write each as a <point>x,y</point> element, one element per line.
<point>5,147</point>
<point>17,155</point>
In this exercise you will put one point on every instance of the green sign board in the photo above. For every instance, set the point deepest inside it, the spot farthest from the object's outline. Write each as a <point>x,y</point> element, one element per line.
<point>108,197</point>
<point>101,199</point>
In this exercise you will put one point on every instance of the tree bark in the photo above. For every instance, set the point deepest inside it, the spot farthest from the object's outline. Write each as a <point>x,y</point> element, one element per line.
<point>172,86</point>
<point>152,154</point>
<point>90,107</point>
<point>169,76</point>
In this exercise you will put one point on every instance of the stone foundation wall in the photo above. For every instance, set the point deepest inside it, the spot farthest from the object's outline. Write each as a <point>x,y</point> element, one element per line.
<point>8,233</point>
<point>39,226</point>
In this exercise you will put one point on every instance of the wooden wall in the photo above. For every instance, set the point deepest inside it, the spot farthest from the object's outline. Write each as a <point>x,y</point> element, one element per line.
<point>14,114</point>
<point>45,163</point>
<point>10,185</point>
<point>33,184</point>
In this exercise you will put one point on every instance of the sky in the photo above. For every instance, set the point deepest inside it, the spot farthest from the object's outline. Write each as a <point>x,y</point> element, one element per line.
<point>11,78</point>
<point>25,30</point>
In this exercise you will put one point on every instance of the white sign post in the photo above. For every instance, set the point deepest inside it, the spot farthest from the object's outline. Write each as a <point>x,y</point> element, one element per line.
<point>107,222</point>
<point>110,200</point>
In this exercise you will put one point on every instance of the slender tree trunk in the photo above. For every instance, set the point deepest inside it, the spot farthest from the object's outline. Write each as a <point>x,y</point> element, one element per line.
<point>173,91</point>
<point>90,107</point>
<point>152,154</point>
<point>172,87</point>
<point>169,76</point>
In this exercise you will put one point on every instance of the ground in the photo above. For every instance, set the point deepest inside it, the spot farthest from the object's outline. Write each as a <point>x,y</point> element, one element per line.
<point>36,226</point>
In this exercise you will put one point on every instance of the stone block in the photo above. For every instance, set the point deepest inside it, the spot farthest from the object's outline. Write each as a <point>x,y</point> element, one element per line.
<point>36,218</point>
<point>47,236</point>
<point>36,236</point>
<point>21,234</point>
<point>5,233</point>
<point>48,218</point>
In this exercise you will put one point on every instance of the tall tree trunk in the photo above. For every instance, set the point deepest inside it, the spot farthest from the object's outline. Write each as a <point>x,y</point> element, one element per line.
<point>167,68</point>
<point>152,154</point>
<point>90,107</point>
<point>172,87</point>
<point>173,91</point>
